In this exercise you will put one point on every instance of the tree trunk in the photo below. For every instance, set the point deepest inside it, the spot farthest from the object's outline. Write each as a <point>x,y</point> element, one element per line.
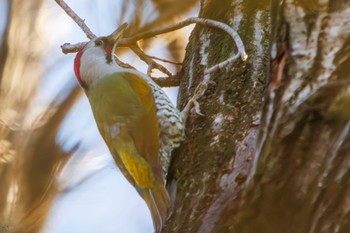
<point>209,169</point>
<point>289,171</point>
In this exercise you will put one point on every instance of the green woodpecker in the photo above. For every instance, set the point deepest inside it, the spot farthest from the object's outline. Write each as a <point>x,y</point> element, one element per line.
<point>136,119</point>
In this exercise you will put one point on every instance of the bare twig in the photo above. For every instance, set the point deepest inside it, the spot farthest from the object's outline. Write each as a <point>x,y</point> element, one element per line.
<point>131,42</point>
<point>151,64</point>
<point>71,48</point>
<point>192,20</point>
<point>164,60</point>
<point>221,64</point>
<point>206,22</point>
<point>171,81</point>
<point>77,19</point>
<point>123,64</point>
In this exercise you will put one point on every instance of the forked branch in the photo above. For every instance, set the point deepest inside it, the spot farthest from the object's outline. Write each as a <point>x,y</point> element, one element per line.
<point>149,60</point>
<point>205,22</point>
<point>131,42</point>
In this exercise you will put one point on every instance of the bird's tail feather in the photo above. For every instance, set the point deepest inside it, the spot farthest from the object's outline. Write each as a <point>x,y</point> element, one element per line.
<point>158,202</point>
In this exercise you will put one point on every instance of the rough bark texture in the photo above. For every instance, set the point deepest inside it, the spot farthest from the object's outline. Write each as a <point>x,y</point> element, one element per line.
<point>209,169</point>
<point>301,173</point>
<point>297,158</point>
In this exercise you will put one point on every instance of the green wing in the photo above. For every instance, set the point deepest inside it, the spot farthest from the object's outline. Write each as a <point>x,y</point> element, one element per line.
<point>125,112</point>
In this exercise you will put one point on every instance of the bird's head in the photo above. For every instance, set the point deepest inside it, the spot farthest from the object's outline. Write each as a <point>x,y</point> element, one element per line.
<point>95,59</point>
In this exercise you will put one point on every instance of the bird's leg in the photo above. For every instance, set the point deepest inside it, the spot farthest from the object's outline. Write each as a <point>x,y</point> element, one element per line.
<point>193,102</point>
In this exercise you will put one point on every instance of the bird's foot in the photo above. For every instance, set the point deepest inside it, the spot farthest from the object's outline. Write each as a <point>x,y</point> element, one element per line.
<point>193,102</point>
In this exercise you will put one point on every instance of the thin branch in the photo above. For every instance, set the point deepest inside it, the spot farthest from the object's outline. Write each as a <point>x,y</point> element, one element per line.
<point>171,81</point>
<point>123,64</point>
<point>165,60</point>
<point>131,42</point>
<point>77,19</point>
<point>206,22</point>
<point>127,42</point>
<point>151,64</point>
<point>221,64</point>
<point>71,48</point>
<point>192,20</point>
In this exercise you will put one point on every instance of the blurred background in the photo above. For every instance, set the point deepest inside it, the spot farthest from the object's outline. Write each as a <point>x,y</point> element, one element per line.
<point>56,174</point>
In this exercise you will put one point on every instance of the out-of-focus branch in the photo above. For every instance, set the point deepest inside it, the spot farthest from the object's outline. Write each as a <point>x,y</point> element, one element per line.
<point>76,19</point>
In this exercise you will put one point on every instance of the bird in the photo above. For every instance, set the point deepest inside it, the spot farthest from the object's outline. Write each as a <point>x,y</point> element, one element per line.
<point>135,117</point>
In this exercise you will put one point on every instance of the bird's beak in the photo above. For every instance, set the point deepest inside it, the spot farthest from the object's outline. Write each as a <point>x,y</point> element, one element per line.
<point>114,37</point>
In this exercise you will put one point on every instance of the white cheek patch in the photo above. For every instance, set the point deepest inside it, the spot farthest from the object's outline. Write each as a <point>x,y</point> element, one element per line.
<point>93,65</point>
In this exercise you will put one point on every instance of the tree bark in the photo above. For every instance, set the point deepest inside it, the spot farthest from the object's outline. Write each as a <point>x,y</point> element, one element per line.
<point>289,171</point>
<point>209,169</point>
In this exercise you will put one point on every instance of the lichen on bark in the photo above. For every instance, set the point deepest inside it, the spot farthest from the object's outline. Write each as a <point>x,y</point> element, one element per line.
<point>213,162</point>
<point>287,171</point>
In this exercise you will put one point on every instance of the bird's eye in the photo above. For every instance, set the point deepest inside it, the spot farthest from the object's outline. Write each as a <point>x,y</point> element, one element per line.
<point>99,42</point>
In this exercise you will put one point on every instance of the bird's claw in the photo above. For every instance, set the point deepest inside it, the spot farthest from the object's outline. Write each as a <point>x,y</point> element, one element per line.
<point>196,106</point>
<point>192,103</point>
